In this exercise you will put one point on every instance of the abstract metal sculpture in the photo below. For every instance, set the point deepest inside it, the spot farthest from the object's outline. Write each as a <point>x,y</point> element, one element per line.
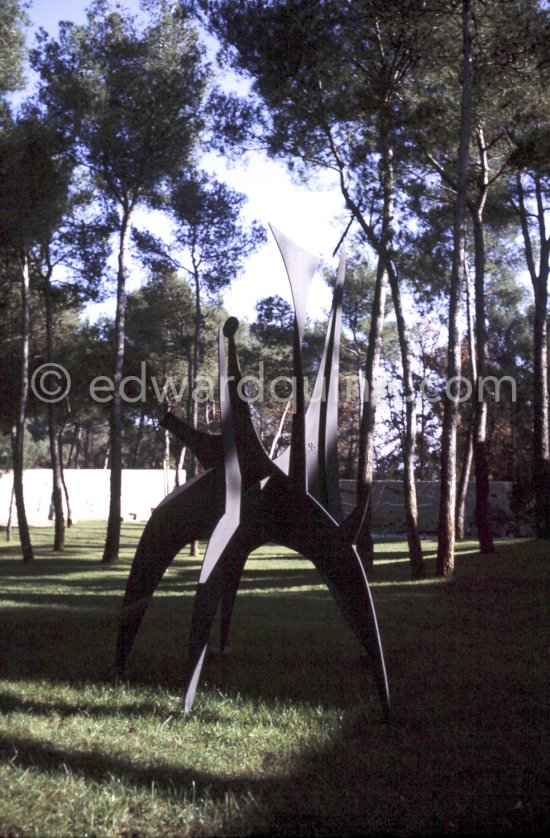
<point>244,499</point>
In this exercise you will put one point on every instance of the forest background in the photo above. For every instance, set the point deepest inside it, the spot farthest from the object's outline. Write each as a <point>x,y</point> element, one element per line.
<point>434,121</point>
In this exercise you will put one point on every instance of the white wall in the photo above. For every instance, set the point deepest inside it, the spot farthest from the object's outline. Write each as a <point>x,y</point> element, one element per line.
<point>142,490</point>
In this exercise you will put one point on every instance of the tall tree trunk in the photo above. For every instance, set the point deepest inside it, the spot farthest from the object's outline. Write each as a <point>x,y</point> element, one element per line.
<point>139,437</point>
<point>70,461</point>
<point>482,510</point>
<point>87,446</point>
<point>385,272</point>
<point>464,483</point>
<point>18,427</point>
<point>541,469</point>
<point>374,349</point>
<point>447,499</point>
<point>418,567</point>
<point>10,516</point>
<point>515,462</point>
<point>365,465</point>
<point>57,487</point>
<point>539,280</point>
<point>279,431</point>
<point>65,489</point>
<point>112,542</point>
<point>464,480</point>
<point>77,444</point>
<point>179,464</point>
<point>193,403</point>
<point>166,462</point>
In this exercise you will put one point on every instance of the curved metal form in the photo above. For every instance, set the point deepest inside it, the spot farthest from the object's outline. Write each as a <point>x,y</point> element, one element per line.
<point>245,499</point>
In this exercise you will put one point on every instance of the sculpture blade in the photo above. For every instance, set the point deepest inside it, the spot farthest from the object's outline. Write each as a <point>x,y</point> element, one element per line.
<point>322,412</point>
<point>300,266</point>
<point>190,512</point>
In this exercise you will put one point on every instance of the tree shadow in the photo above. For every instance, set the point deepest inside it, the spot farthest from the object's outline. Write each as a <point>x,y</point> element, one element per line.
<point>466,740</point>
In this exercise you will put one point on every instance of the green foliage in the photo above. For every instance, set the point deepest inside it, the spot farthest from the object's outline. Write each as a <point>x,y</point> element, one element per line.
<point>130,98</point>
<point>210,241</point>
<point>13,19</point>
<point>33,185</point>
<point>209,223</point>
<point>275,322</point>
<point>160,328</point>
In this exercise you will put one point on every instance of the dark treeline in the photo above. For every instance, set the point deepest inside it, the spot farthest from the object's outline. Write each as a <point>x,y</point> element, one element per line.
<point>433,119</point>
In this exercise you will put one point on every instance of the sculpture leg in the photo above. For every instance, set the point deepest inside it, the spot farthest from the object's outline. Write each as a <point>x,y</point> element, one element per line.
<point>225,558</point>
<point>346,579</point>
<point>207,600</point>
<point>302,524</point>
<point>188,514</point>
<point>232,572</point>
<point>361,616</point>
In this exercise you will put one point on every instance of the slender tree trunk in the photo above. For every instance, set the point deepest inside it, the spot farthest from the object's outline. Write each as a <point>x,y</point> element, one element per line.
<point>10,515</point>
<point>447,500</point>
<point>385,273</point>
<point>166,462</point>
<point>18,427</point>
<point>57,487</point>
<point>464,483</point>
<point>139,437</point>
<point>179,464</point>
<point>515,463</point>
<point>464,480</point>
<point>87,446</point>
<point>372,364</point>
<point>193,416</point>
<point>63,481</point>
<point>65,490</point>
<point>418,568</point>
<point>539,279</point>
<point>77,444</point>
<point>112,542</point>
<point>71,447</point>
<point>541,470</point>
<point>365,465</point>
<point>482,510</point>
<point>279,431</point>
<point>422,443</point>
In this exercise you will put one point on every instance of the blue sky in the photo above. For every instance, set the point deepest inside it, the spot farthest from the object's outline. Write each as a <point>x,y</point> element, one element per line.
<point>47,13</point>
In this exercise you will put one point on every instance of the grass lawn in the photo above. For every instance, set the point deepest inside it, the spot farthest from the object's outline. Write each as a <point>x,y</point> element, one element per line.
<point>286,734</point>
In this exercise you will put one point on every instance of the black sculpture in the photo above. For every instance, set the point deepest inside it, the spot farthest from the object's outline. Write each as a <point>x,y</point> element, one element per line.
<point>244,499</point>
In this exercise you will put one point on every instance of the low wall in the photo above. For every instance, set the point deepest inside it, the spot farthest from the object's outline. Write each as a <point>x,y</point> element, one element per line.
<point>388,506</point>
<point>143,489</point>
<point>89,490</point>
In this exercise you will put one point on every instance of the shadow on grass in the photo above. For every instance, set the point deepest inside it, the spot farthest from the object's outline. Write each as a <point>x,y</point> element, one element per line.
<point>10,703</point>
<point>61,616</point>
<point>424,773</point>
<point>466,750</point>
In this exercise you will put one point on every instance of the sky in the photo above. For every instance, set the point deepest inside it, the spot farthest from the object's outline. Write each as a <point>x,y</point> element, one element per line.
<point>308,216</point>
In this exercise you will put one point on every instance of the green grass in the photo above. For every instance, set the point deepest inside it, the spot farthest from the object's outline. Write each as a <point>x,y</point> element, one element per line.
<point>286,733</point>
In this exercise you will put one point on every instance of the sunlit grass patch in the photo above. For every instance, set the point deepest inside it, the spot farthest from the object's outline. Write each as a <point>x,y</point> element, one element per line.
<point>125,757</point>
